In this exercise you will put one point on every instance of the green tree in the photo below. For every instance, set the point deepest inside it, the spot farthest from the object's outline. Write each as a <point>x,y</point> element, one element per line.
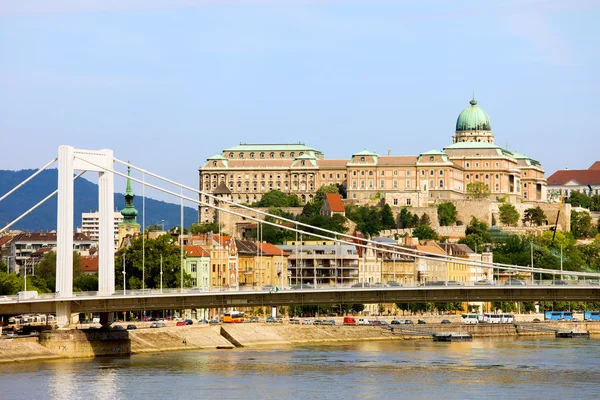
<point>534,216</point>
<point>425,220</point>
<point>425,232</point>
<point>387,217</point>
<point>405,218</point>
<point>446,214</point>
<point>508,214</point>
<point>46,269</point>
<point>276,198</point>
<point>367,219</point>
<point>581,224</point>
<point>10,283</point>
<point>164,245</point>
<point>477,234</point>
<point>204,228</point>
<point>323,190</point>
<point>578,199</point>
<point>478,190</point>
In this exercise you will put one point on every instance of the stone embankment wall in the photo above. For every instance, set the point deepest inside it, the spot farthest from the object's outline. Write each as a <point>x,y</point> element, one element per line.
<point>177,338</point>
<point>23,349</point>
<point>86,343</point>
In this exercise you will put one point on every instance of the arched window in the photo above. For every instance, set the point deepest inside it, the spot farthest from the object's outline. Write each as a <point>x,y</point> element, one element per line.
<point>252,155</point>
<point>272,154</point>
<point>230,155</point>
<point>262,155</point>
<point>242,155</point>
<point>282,154</point>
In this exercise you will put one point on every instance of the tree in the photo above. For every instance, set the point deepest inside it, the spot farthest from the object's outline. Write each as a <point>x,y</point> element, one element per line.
<point>535,216</point>
<point>581,224</point>
<point>323,190</point>
<point>405,218</point>
<point>478,190</point>
<point>164,245</point>
<point>476,234</point>
<point>425,232</point>
<point>446,214</point>
<point>46,269</point>
<point>579,199</point>
<point>425,220</point>
<point>387,217</point>
<point>367,219</point>
<point>204,228</point>
<point>508,214</point>
<point>276,198</point>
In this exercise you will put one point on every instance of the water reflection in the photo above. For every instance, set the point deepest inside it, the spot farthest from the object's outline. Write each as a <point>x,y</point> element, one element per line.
<point>501,368</point>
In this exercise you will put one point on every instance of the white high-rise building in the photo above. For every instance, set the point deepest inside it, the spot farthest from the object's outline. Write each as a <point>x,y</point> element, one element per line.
<point>90,226</point>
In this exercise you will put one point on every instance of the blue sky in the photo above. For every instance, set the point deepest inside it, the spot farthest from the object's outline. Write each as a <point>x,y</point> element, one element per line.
<point>167,84</point>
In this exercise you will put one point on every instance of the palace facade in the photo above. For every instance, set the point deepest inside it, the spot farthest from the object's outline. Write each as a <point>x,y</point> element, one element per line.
<point>247,171</point>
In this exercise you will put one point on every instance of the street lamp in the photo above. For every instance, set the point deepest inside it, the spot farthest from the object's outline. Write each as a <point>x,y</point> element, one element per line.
<point>124,280</point>
<point>161,274</point>
<point>163,225</point>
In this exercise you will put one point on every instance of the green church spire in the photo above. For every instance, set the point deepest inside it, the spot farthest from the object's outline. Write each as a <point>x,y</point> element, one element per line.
<point>129,212</point>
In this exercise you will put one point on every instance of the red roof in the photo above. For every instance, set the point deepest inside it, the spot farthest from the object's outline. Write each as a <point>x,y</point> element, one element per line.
<point>89,263</point>
<point>5,239</point>
<point>196,251</point>
<point>271,249</point>
<point>335,202</point>
<point>589,176</point>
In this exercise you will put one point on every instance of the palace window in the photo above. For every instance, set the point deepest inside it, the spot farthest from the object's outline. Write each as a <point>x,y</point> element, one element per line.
<point>395,183</point>
<point>272,154</point>
<point>467,165</point>
<point>441,172</point>
<point>441,183</point>
<point>282,154</point>
<point>408,172</point>
<point>252,155</point>
<point>431,158</point>
<point>241,155</point>
<point>382,184</point>
<point>230,155</point>
<point>408,183</point>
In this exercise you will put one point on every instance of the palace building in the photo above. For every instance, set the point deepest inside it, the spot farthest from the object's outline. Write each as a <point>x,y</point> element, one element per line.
<point>247,171</point>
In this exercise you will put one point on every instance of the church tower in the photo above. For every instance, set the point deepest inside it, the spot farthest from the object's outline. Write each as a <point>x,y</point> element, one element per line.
<point>129,228</point>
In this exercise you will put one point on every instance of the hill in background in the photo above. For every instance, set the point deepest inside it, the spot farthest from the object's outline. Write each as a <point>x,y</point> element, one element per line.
<point>86,200</point>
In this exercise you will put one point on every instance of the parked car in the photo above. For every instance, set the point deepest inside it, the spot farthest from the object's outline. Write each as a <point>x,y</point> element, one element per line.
<point>445,321</point>
<point>131,326</point>
<point>422,322</point>
<point>455,283</point>
<point>180,323</point>
<point>11,334</point>
<point>513,282</point>
<point>270,320</point>
<point>118,327</point>
<point>317,322</point>
<point>361,285</point>
<point>213,321</point>
<point>409,321</point>
<point>155,325</point>
<point>188,322</point>
<point>378,284</point>
<point>268,287</point>
<point>331,322</point>
<point>302,286</point>
<point>307,322</point>
<point>294,321</point>
<point>393,284</point>
<point>349,321</point>
<point>202,321</point>
<point>536,320</point>
<point>279,320</point>
<point>253,319</point>
<point>575,319</point>
<point>484,282</point>
<point>395,322</point>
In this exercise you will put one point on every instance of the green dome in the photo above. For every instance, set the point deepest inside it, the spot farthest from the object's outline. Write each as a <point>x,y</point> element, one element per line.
<point>473,118</point>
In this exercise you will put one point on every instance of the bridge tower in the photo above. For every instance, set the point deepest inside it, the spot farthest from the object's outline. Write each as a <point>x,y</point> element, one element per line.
<point>70,160</point>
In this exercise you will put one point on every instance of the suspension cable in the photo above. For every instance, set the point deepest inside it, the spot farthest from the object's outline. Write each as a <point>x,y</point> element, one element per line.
<point>39,171</point>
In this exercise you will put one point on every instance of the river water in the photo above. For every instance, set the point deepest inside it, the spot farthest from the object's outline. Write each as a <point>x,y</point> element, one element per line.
<point>511,368</point>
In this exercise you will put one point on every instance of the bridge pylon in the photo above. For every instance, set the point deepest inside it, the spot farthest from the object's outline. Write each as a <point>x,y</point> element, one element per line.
<point>69,161</point>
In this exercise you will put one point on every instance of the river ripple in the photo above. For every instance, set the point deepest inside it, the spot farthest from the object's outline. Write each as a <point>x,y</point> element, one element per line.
<point>515,368</point>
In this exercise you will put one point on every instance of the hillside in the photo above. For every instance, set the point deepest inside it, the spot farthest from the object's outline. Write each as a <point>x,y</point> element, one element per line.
<point>86,200</point>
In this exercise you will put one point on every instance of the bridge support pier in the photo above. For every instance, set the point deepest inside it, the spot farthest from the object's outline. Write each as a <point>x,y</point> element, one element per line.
<point>63,314</point>
<point>106,319</point>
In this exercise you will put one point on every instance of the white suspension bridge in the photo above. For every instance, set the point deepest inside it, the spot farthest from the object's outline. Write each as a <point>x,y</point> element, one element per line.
<point>106,300</point>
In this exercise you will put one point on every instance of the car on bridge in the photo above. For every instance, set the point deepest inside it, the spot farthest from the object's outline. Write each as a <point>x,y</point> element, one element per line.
<point>302,286</point>
<point>361,285</point>
<point>514,282</point>
<point>131,326</point>
<point>393,284</point>
<point>484,282</point>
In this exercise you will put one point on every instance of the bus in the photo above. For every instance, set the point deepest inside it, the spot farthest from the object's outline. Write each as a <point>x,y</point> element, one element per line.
<point>591,316</point>
<point>497,318</point>
<point>558,315</point>
<point>233,317</point>
<point>469,319</point>
<point>28,322</point>
<point>508,318</point>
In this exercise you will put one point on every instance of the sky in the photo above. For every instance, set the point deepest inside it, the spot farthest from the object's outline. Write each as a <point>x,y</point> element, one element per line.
<point>166,84</point>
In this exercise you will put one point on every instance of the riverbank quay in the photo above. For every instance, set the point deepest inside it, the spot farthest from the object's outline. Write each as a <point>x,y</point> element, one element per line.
<point>86,343</point>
